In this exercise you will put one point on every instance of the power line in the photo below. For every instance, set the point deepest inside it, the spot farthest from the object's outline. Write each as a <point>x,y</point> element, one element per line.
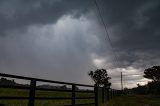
<point>108,38</point>
<point>106,30</point>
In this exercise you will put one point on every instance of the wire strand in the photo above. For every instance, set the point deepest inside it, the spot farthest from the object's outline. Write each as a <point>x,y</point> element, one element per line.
<point>106,30</point>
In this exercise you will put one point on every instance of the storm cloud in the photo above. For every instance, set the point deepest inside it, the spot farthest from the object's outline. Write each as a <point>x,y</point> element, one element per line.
<point>57,39</point>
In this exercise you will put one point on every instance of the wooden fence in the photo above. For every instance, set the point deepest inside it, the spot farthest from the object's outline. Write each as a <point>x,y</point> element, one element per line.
<point>106,94</point>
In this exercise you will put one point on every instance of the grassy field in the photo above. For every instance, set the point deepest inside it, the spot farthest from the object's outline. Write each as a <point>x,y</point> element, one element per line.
<point>25,93</point>
<point>134,100</point>
<point>128,100</point>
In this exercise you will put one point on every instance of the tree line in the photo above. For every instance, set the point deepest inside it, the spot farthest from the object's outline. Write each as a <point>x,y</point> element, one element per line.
<point>7,82</point>
<point>101,78</point>
<point>153,86</point>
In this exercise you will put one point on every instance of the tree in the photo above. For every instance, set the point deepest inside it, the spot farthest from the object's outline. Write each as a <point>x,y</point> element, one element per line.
<point>100,77</point>
<point>4,81</point>
<point>153,73</point>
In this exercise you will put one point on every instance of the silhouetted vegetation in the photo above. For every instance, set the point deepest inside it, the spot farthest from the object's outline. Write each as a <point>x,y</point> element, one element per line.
<point>140,89</point>
<point>4,81</point>
<point>153,73</point>
<point>152,87</point>
<point>100,77</point>
<point>7,82</point>
<point>9,92</point>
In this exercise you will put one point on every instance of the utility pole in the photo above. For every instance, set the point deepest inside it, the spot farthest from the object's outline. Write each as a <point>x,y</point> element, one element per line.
<point>121,81</point>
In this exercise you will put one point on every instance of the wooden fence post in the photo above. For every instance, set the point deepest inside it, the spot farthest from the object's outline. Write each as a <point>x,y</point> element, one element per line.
<point>96,94</point>
<point>32,92</point>
<point>108,95</point>
<point>73,94</point>
<point>103,94</point>
<point>111,93</point>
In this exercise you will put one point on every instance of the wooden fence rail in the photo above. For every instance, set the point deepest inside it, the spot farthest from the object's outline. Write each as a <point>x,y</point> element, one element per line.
<point>107,94</point>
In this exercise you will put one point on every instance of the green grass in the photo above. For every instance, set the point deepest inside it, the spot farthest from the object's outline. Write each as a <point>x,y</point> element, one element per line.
<point>128,100</point>
<point>134,100</point>
<point>25,93</point>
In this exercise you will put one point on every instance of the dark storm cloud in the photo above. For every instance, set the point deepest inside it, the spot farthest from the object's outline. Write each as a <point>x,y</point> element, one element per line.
<point>46,39</point>
<point>134,29</point>
<point>21,13</point>
<point>53,38</point>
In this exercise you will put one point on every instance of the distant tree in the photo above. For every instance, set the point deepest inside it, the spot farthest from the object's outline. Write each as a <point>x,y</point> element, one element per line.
<point>140,89</point>
<point>4,81</point>
<point>153,73</point>
<point>154,87</point>
<point>77,88</point>
<point>100,77</point>
<point>138,85</point>
<point>63,87</point>
<point>127,90</point>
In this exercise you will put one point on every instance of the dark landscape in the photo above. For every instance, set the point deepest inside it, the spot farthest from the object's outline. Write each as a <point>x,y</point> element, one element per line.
<point>79,52</point>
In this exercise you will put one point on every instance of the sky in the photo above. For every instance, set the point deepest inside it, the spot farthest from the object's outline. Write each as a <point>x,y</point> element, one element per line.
<point>63,40</point>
